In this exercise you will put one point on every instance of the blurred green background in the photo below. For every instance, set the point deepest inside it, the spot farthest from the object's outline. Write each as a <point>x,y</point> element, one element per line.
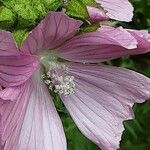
<point>20,16</point>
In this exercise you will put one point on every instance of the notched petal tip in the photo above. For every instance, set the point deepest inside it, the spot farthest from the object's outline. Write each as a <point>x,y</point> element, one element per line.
<point>99,110</point>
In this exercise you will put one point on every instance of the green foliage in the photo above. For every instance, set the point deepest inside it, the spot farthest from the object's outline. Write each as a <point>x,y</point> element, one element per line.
<point>137,133</point>
<point>22,14</point>
<point>6,17</point>
<point>19,36</point>
<point>142,14</point>
<point>89,28</point>
<point>77,9</point>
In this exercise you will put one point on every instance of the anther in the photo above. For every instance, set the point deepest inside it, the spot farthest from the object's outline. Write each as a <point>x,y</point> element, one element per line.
<point>58,81</point>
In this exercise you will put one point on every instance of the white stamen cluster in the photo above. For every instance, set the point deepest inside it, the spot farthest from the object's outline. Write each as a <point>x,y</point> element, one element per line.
<point>59,81</point>
<point>66,87</point>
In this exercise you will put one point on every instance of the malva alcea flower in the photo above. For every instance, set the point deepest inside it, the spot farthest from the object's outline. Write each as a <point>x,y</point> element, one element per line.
<point>53,58</point>
<point>121,10</point>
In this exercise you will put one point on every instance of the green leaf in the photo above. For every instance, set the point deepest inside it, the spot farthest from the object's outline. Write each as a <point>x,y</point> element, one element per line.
<point>78,141</point>
<point>76,8</point>
<point>88,2</point>
<point>89,28</point>
<point>58,103</point>
<point>6,17</point>
<point>19,36</point>
<point>52,4</point>
<point>26,14</point>
<point>48,4</point>
<point>29,12</point>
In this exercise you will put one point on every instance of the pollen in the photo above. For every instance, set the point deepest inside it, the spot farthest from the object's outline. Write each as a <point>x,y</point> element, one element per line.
<point>59,81</point>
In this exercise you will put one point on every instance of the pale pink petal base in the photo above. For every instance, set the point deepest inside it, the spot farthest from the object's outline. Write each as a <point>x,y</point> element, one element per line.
<point>32,123</point>
<point>103,99</point>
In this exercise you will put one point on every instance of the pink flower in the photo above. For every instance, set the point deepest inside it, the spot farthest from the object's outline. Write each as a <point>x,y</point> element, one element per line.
<point>121,10</point>
<point>53,58</point>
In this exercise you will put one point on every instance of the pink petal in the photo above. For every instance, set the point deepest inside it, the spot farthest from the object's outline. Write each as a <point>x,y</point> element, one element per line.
<point>10,93</point>
<point>51,32</point>
<point>1,103</point>
<point>143,39</point>
<point>103,99</point>
<point>7,44</point>
<point>121,10</point>
<point>1,147</point>
<point>15,70</point>
<point>105,44</point>
<point>32,123</point>
<point>120,36</point>
<point>96,14</point>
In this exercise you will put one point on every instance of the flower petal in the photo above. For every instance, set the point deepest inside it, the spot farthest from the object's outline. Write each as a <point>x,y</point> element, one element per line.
<point>51,32</point>
<point>32,122</point>
<point>15,70</point>
<point>96,14</point>
<point>143,39</point>
<point>103,99</point>
<point>1,147</point>
<point>105,44</point>
<point>7,44</point>
<point>121,10</point>
<point>10,93</point>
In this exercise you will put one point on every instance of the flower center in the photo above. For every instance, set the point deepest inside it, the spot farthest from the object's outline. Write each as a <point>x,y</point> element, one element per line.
<point>57,77</point>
